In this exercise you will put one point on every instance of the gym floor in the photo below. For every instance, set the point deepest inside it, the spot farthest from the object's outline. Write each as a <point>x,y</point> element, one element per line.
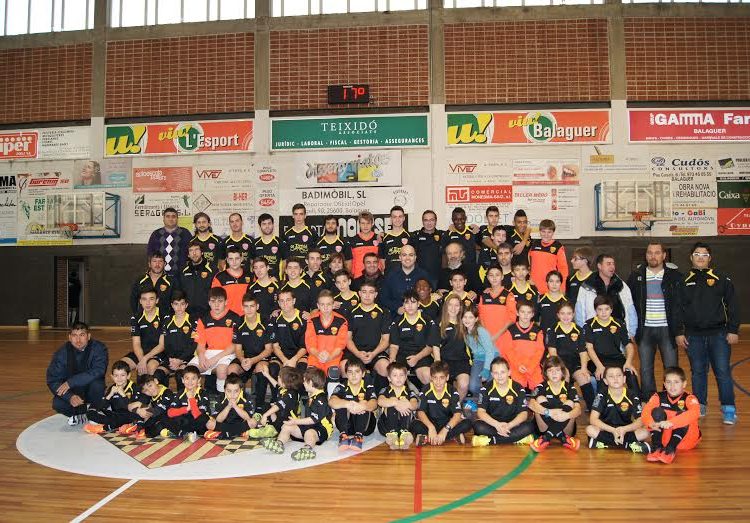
<point>452,483</point>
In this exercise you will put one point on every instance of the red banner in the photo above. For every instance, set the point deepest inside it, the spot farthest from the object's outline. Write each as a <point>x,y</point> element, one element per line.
<point>18,145</point>
<point>479,194</point>
<point>689,125</point>
<point>162,179</point>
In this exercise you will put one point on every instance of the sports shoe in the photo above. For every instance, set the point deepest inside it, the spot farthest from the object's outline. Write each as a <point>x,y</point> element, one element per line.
<point>77,419</point>
<point>640,447</point>
<point>480,441</point>
<point>257,416</point>
<point>192,437</point>
<point>356,442</point>
<point>729,412</point>
<point>127,429</point>
<point>94,428</point>
<point>528,440</point>
<point>704,410</point>
<point>273,445</point>
<point>141,434</point>
<point>166,433</point>
<point>470,405</point>
<point>572,443</point>
<point>421,440</point>
<point>392,440</point>
<point>596,444</point>
<point>211,435</point>
<point>303,454</point>
<point>405,440</point>
<point>667,456</point>
<point>540,444</point>
<point>344,442</point>
<point>654,456</point>
<point>267,431</point>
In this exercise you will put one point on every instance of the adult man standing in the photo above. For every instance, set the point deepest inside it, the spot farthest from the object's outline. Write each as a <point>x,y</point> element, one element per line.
<point>707,320</point>
<point>428,243</point>
<point>371,272</point>
<point>76,374</point>
<point>155,278</point>
<point>401,278</point>
<point>607,282</point>
<point>653,286</point>
<point>171,241</point>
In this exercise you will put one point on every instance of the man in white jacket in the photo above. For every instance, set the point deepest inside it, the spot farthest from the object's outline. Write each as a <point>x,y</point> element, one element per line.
<point>608,283</point>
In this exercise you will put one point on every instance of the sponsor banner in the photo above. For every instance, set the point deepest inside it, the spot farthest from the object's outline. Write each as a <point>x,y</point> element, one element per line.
<point>546,172</point>
<point>34,225</point>
<point>492,172</point>
<point>162,179</point>
<point>692,180</point>
<point>598,163</point>
<point>147,213</point>
<point>733,167</point>
<point>687,222</point>
<point>348,168</point>
<point>110,172</point>
<point>688,125</point>
<point>557,202</point>
<point>346,202</point>
<point>530,127</point>
<point>223,178</point>
<point>8,207</point>
<point>53,143</point>
<point>219,205</point>
<point>485,194</point>
<point>41,182</point>
<point>733,215</point>
<point>349,132</point>
<point>198,137</point>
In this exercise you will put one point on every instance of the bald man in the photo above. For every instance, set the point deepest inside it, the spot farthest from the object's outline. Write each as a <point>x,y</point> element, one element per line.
<point>401,278</point>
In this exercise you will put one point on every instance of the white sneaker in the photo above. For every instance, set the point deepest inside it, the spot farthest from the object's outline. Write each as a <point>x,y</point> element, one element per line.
<point>192,437</point>
<point>73,420</point>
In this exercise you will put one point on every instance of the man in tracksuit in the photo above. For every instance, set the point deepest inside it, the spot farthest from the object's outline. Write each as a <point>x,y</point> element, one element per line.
<point>653,285</point>
<point>707,321</point>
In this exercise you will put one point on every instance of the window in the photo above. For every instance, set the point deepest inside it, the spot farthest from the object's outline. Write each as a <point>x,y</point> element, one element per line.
<point>19,17</point>
<point>130,13</point>
<point>316,7</point>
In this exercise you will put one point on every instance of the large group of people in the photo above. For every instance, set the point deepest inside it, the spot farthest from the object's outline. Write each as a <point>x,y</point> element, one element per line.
<point>425,336</point>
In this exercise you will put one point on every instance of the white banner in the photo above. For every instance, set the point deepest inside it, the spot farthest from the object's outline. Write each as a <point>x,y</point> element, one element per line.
<point>347,168</point>
<point>40,182</point>
<point>147,213</point>
<point>693,180</point>
<point>8,207</point>
<point>345,201</point>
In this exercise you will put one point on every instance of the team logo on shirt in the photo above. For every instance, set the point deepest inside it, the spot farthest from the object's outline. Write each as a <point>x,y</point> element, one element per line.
<point>613,329</point>
<point>338,248</point>
<point>318,283</point>
<point>269,289</point>
<point>502,300</point>
<point>681,404</point>
<point>212,246</point>
<point>404,241</point>
<point>528,295</point>
<point>436,237</point>
<point>624,406</point>
<point>552,249</point>
<point>185,329</point>
<point>334,330</point>
<point>467,236</point>
<point>563,397</point>
<point>353,301</point>
<point>204,275</point>
<point>532,336</point>
<point>509,399</point>
<point>445,402</point>
<point>163,287</point>
<point>419,327</point>
<point>710,282</point>
<point>295,326</point>
<point>361,396</point>
<point>228,322</point>
<point>574,336</point>
<point>274,249</point>
<point>374,314</point>
<point>247,279</point>
<point>305,237</point>
<point>245,246</point>
<point>155,324</point>
<point>259,332</point>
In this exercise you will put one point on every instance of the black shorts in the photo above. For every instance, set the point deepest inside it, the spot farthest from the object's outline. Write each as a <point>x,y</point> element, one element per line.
<point>572,362</point>
<point>245,374</point>
<point>323,434</point>
<point>348,356</point>
<point>424,362</point>
<point>457,367</point>
<point>274,359</point>
<point>611,362</point>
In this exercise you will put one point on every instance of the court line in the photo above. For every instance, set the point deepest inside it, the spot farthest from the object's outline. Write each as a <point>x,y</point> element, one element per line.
<point>104,501</point>
<point>499,483</point>
<point>418,480</point>
<point>731,369</point>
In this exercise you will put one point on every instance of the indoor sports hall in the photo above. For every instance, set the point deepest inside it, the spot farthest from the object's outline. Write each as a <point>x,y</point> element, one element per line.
<point>247,243</point>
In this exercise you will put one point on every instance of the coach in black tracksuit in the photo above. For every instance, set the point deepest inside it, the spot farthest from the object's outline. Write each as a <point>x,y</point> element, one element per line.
<point>195,281</point>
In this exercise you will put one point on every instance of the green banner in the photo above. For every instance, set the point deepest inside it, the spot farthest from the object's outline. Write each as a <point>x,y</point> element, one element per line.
<point>734,194</point>
<point>349,132</point>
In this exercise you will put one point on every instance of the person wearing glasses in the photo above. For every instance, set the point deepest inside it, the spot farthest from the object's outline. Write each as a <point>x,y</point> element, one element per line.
<point>707,321</point>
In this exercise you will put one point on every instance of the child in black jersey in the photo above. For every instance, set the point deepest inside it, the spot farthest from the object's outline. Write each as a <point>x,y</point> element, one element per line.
<point>555,405</point>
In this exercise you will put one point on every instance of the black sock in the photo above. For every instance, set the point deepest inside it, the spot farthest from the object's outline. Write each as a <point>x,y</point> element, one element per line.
<point>588,394</point>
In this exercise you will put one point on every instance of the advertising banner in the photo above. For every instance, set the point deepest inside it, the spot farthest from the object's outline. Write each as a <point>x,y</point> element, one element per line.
<point>692,180</point>
<point>348,168</point>
<point>688,125</point>
<point>147,213</point>
<point>110,172</point>
<point>53,143</point>
<point>546,172</point>
<point>220,204</point>
<point>733,215</point>
<point>41,182</point>
<point>349,132</point>
<point>210,136</point>
<point>37,224</point>
<point>162,179</point>
<point>530,127</point>
<point>560,203</point>
<point>223,177</point>
<point>8,206</point>
<point>687,222</point>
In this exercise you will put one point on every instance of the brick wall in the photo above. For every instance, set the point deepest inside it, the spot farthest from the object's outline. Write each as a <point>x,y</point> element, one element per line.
<point>688,58</point>
<point>43,84</point>
<point>392,60</point>
<point>187,75</point>
<point>527,61</point>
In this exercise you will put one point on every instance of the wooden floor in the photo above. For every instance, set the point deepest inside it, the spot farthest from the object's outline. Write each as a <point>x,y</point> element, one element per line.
<point>458,483</point>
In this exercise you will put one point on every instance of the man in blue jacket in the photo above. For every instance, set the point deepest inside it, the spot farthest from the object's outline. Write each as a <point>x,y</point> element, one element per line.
<point>401,278</point>
<point>76,374</point>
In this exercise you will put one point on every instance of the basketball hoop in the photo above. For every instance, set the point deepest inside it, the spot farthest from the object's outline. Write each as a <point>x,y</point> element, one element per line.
<point>641,220</point>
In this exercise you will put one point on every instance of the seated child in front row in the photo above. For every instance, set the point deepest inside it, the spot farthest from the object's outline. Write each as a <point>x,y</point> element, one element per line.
<point>188,413</point>
<point>111,412</point>
<point>149,406</point>
<point>232,417</point>
<point>672,416</point>
<point>314,429</point>
<point>555,406</point>
<point>399,403</point>
<point>284,408</point>
<point>616,416</point>
<point>502,416</point>
<point>354,405</point>
<point>440,417</point>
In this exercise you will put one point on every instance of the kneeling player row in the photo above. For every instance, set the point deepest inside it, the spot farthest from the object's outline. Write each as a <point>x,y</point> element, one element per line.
<point>434,416</point>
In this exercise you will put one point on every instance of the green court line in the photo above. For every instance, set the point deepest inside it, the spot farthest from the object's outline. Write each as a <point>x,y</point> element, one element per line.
<point>471,498</point>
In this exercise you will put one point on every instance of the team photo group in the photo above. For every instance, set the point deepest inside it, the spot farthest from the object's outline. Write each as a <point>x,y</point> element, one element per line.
<point>481,335</point>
